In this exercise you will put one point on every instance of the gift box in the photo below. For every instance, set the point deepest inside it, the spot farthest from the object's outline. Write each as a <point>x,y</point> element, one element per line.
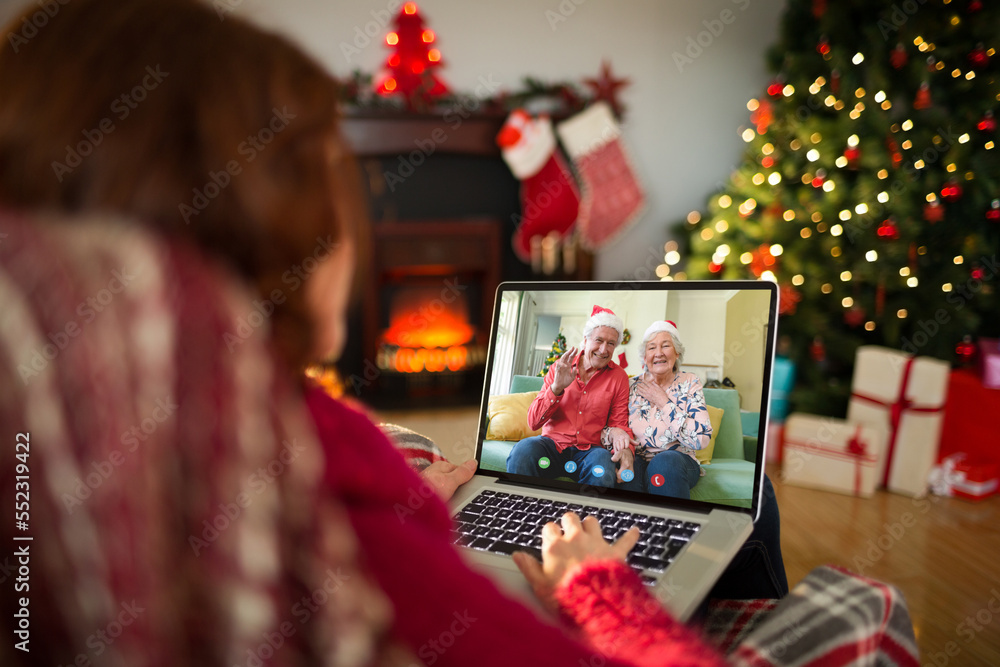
<point>989,362</point>
<point>832,454</point>
<point>970,418</point>
<point>905,395</point>
<point>782,381</point>
<point>964,477</point>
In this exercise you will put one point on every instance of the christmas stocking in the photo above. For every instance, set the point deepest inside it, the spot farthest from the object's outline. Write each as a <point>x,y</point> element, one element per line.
<point>549,198</point>
<point>612,197</point>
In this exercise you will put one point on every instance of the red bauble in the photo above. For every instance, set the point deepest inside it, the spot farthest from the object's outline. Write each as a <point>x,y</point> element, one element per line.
<point>979,57</point>
<point>974,6</point>
<point>790,298</point>
<point>988,123</point>
<point>714,268</point>
<point>952,191</point>
<point>993,215</point>
<point>854,316</point>
<point>966,351</point>
<point>774,90</point>
<point>933,212</point>
<point>817,350</point>
<point>977,273</point>
<point>853,154</point>
<point>923,98</point>
<point>762,260</point>
<point>888,230</point>
<point>819,179</point>
<point>823,47</point>
<point>762,116</point>
<point>898,57</point>
<point>895,155</point>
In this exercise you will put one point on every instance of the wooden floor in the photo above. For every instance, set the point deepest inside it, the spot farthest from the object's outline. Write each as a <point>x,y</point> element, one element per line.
<point>943,553</point>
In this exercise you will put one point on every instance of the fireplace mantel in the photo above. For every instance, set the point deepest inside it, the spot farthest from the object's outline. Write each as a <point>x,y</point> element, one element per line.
<point>374,134</point>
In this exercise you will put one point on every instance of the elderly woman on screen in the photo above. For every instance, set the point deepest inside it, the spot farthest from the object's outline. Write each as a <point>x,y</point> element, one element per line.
<point>667,414</point>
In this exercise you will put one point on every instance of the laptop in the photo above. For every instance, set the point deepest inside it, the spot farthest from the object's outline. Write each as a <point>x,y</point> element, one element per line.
<point>729,331</point>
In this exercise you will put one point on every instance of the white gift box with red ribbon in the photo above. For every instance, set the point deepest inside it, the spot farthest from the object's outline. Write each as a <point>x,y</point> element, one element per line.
<point>905,395</point>
<point>831,454</point>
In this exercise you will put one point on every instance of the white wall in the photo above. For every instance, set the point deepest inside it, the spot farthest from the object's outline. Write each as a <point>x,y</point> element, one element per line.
<point>681,126</point>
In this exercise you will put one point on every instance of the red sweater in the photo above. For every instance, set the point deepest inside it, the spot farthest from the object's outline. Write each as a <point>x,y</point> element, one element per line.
<point>450,615</point>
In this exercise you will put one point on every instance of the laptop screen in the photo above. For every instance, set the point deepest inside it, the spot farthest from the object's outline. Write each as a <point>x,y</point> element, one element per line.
<point>682,387</point>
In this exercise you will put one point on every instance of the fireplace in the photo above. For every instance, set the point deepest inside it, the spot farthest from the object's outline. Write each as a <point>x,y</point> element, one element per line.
<point>443,206</point>
<point>430,302</point>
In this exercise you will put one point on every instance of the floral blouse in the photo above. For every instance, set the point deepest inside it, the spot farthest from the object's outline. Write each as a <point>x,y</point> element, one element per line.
<point>682,425</point>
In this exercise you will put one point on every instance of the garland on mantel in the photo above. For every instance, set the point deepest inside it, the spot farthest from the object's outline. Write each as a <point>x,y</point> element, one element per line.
<point>559,99</point>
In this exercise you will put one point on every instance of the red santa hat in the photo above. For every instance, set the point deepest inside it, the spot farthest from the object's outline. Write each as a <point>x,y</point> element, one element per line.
<point>658,327</point>
<point>603,317</point>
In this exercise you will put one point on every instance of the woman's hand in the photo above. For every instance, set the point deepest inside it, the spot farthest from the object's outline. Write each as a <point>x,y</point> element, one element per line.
<point>445,477</point>
<point>625,459</point>
<point>564,550</point>
<point>564,372</point>
<point>653,393</point>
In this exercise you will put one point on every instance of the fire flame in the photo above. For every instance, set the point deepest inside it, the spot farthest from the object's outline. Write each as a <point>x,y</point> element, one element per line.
<point>431,334</point>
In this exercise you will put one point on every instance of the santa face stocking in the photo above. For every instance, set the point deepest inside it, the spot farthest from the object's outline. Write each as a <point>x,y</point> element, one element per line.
<point>612,197</point>
<point>549,198</point>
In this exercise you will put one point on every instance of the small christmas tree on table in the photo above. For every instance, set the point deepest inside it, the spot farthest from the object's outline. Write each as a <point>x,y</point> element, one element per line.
<point>414,59</point>
<point>558,349</point>
<point>870,191</point>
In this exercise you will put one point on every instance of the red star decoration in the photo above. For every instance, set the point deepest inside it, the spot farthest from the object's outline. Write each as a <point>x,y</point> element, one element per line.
<point>606,87</point>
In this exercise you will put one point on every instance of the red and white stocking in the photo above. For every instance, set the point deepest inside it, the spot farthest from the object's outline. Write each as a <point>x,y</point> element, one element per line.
<point>549,197</point>
<point>612,196</point>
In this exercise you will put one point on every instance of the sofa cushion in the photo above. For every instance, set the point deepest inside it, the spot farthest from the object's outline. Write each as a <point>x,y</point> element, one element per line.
<point>508,416</point>
<point>729,444</point>
<point>704,456</point>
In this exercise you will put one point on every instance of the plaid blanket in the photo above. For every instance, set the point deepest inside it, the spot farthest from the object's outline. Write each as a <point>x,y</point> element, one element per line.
<point>832,617</point>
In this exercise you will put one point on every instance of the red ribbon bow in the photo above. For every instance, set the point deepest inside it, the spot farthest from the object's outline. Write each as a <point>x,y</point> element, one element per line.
<point>856,446</point>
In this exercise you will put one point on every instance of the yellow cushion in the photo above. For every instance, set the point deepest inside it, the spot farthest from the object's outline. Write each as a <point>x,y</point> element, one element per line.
<point>508,416</point>
<point>704,456</point>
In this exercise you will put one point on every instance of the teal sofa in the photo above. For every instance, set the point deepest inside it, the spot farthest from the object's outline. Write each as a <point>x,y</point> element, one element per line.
<point>728,478</point>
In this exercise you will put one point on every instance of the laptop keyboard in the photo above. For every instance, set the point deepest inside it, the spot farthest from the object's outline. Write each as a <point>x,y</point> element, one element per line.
<point>503,523</point>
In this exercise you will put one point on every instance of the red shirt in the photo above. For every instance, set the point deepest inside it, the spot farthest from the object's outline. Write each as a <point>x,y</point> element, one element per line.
<point>577,418</point>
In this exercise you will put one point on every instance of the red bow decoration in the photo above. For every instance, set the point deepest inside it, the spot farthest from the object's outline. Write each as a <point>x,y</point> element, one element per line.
<point>598,309</point>
<point>856,446</point>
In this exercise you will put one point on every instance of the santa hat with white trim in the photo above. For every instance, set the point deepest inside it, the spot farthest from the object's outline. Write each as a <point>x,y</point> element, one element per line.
<point>658,327</point>
<point>603,317</point>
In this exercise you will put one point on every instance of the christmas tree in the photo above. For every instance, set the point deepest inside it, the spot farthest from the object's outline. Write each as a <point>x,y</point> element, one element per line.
<point>870,189</point>
<point>557,350</point>
<point>413,61</point>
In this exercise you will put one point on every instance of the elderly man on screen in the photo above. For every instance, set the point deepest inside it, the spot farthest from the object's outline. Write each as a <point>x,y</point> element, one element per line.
<point>584,392</point>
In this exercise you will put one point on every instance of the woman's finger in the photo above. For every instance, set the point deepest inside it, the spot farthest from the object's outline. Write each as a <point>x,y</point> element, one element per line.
<point>592,526</point>
<point>571,524</point>
<point>624,544</point>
